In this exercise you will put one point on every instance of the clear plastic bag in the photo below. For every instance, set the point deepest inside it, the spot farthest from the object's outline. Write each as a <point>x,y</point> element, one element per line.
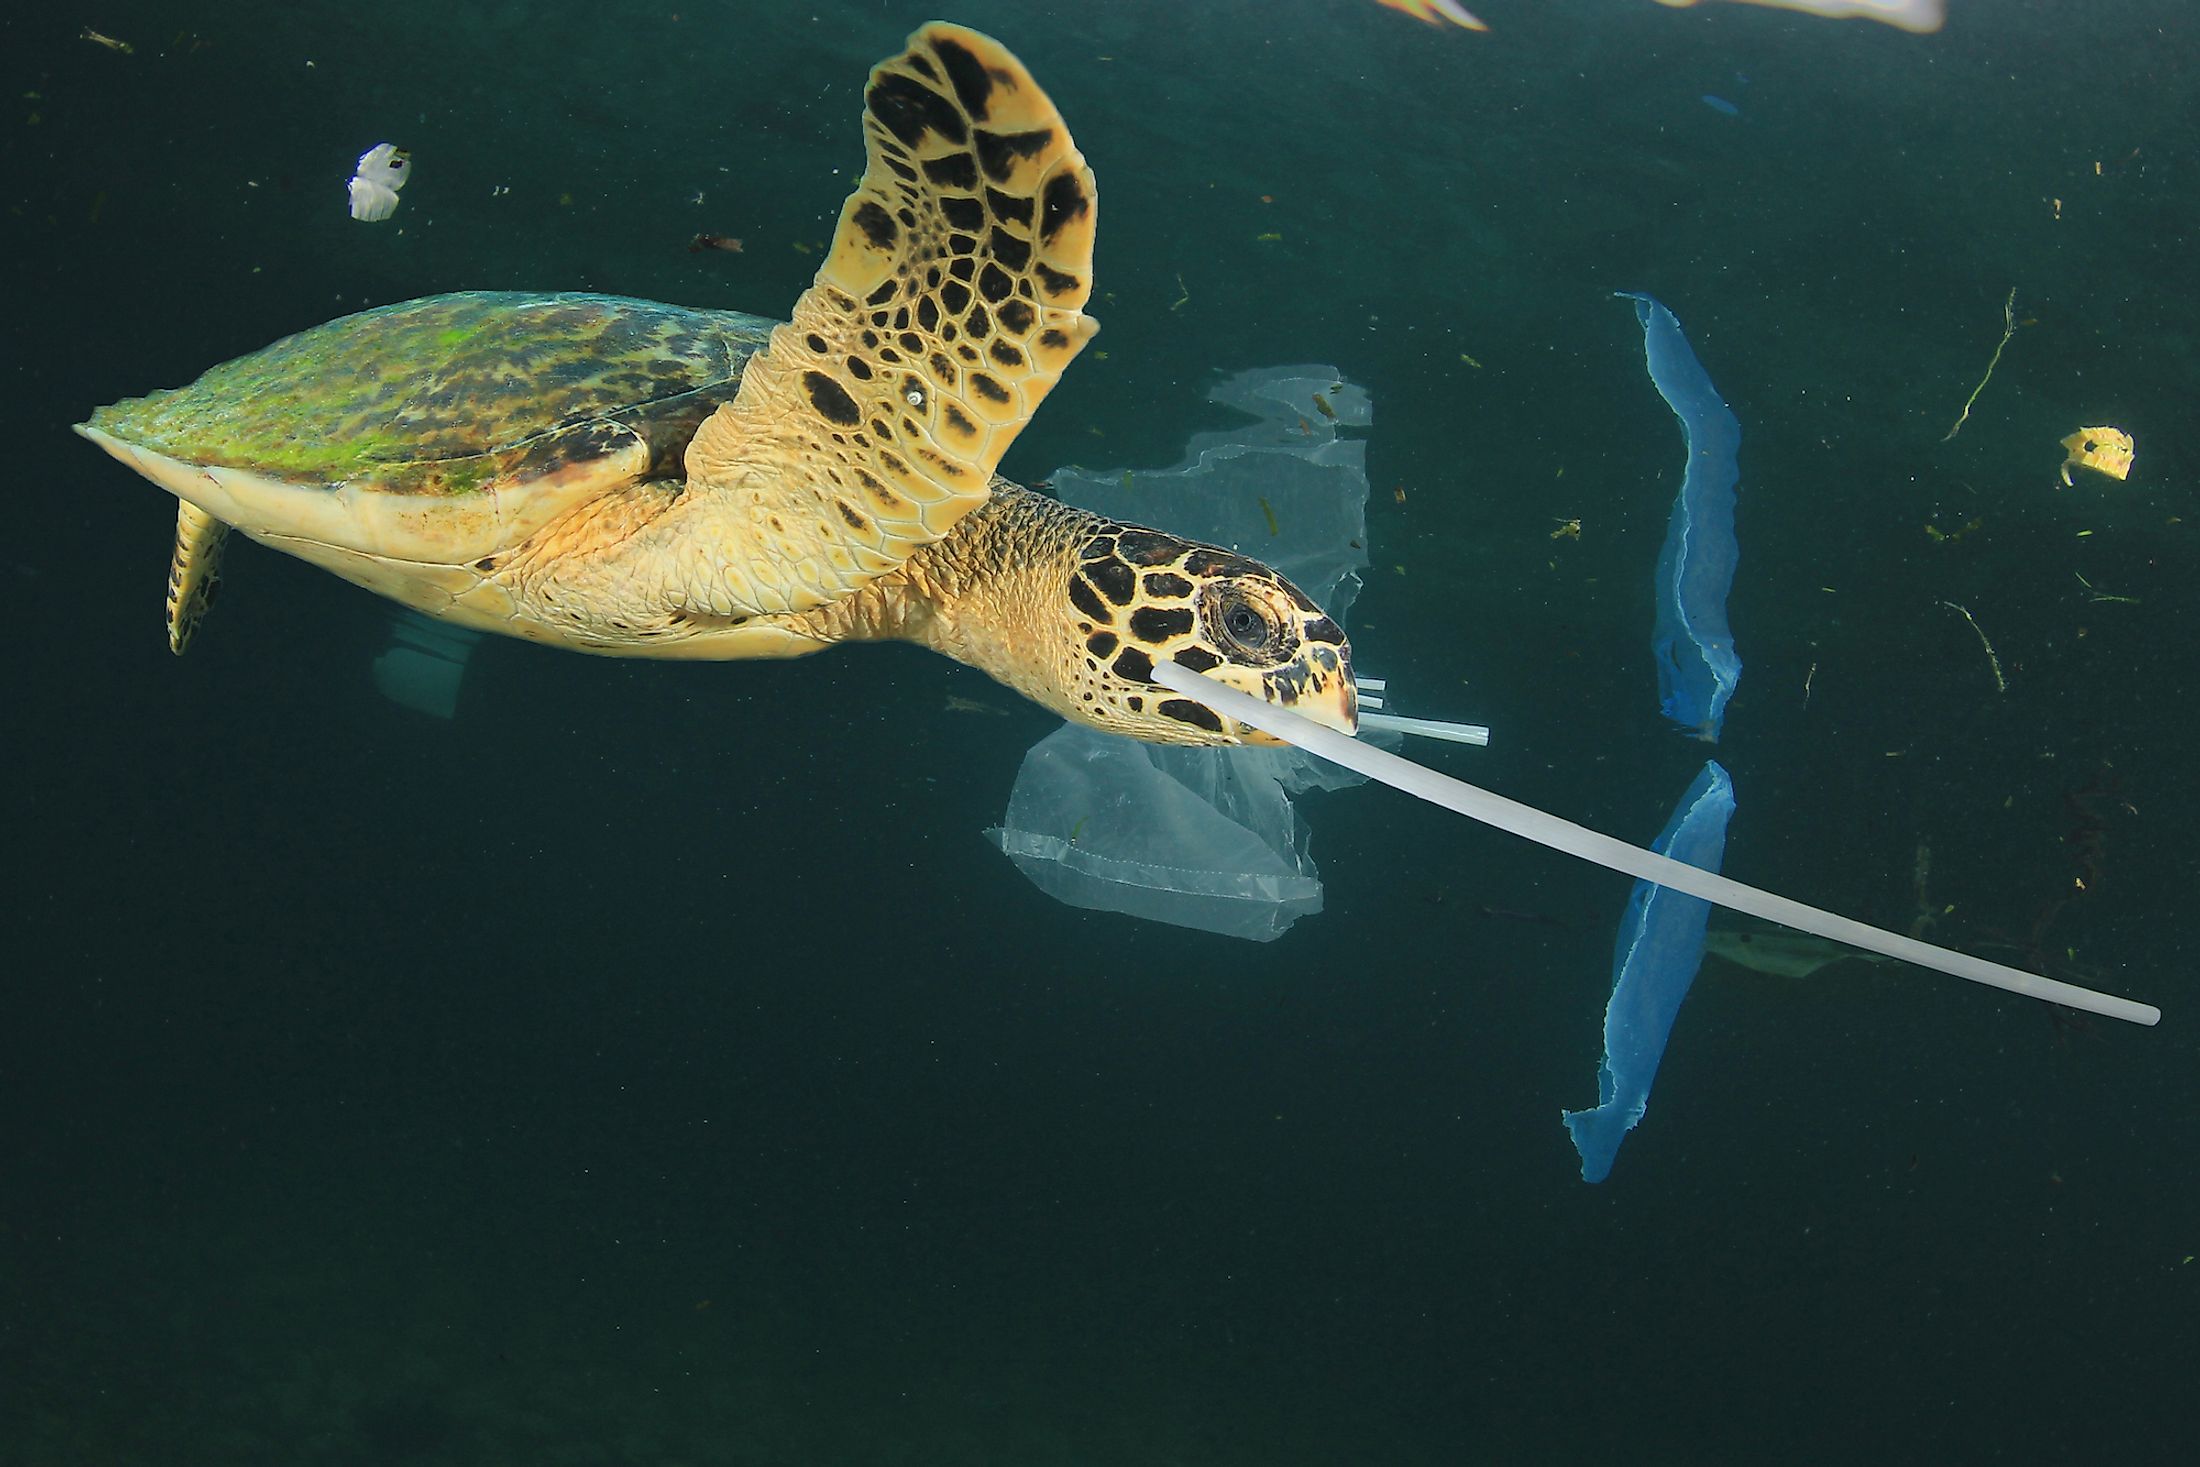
<point>1208,838</point>
<point>1204,838</point>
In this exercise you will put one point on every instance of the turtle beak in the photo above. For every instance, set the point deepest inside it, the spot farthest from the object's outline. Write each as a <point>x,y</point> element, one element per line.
<point>1317,685</point>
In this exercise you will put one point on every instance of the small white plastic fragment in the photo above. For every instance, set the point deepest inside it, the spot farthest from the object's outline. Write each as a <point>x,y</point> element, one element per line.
<point>382,171</point>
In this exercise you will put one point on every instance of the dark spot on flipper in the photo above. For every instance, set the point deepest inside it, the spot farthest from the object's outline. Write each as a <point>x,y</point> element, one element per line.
<point>908,109</point>
<point>876,488</point>
<point>1064,200</point>
<point>855,521</point>
<point>1199,715</point>
<point>998,151</point>
<point>1018,316</point>
<point>966,74</point>
<point>1008,206</point>
<point>877,225</point>
<point>956,170</point>
<point>987,388</point>
<point>831,399</point>
<point>965,214</point>
<point>1008,249</point>
<point>1055,282</point>
<point>994,284</point>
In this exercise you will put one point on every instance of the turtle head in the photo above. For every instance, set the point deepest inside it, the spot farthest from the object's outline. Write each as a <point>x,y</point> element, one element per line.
<point>1138,597</point>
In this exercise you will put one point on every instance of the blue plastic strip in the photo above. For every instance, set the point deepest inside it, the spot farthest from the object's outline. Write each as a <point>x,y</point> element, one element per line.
<point>1697,664</point>
<point>1660,947</point>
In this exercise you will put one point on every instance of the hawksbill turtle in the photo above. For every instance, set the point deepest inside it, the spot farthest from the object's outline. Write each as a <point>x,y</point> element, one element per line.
<point>637,479</point>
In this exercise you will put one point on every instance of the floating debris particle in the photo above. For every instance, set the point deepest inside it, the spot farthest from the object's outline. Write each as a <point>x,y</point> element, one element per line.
<point>382,171</point>
<point>2103,450</point>
<point>1435,12</point>
<point>2008,329</point>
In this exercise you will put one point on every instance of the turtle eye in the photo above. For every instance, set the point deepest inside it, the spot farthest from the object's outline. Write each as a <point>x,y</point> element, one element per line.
<point>1246,627</point>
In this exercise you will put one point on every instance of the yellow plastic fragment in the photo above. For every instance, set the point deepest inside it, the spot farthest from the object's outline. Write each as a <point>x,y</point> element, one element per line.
<point>2103,450</point>
<point>1436,12</point>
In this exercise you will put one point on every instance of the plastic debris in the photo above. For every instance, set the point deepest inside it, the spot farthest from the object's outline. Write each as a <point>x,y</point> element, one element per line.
<point>1697,664</point>
<point>1204,838</point>
<point>2103,450</point>
<point>1584,844</point>
<point>1781,954</point>
<point>1208,838</point>
<point>1436,12</point>
<point>424,664</point>
<point>1291,496</point>
<point>1922,17</point>
<point>1661,944</point>
<point>382,171</point>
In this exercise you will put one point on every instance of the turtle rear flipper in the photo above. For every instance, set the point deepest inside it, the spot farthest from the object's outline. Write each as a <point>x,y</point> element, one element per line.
<point>194,571</point>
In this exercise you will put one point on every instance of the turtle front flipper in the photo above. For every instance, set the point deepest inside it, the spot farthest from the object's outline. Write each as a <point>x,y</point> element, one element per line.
<point>194,572</point>
<point>948,306</point>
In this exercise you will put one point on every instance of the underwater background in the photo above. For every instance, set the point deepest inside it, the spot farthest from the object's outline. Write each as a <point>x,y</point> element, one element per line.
<point>654,1064</point>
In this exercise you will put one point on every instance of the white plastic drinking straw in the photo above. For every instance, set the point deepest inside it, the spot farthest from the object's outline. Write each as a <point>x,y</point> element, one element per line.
<point>1617,855</point>
<point>1427,728</point>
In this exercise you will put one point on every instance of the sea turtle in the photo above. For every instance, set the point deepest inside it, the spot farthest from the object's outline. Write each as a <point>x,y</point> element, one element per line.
<point>637,479</point>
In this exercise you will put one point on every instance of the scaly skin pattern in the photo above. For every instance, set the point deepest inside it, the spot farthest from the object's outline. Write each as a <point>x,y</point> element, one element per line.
<point>949,305</point>
<point>1066,607</point>
<point>1073,610</point>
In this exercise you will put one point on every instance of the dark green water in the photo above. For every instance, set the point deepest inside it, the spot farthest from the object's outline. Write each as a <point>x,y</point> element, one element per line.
<point>654,1065</point>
